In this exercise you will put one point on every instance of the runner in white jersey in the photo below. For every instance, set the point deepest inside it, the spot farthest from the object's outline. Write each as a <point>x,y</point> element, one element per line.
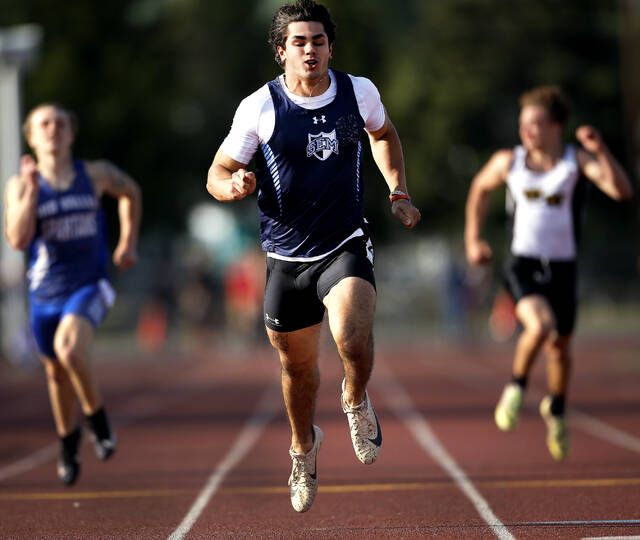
<point>543,177</point>
<point>305,129</point>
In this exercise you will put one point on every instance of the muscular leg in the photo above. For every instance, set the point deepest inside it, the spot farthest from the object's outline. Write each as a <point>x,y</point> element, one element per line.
<point>298,352</point>
<point>537,319</point>
<point>71,343</point>
<point>351,306</point>
<point>61,396</point>
<point>558,364</point>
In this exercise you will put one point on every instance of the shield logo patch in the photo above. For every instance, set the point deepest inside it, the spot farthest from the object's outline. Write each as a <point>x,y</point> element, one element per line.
<point>322,145</point>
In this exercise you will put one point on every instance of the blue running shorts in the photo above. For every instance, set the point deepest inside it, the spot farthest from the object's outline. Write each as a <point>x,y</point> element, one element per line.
<point>91,302</point>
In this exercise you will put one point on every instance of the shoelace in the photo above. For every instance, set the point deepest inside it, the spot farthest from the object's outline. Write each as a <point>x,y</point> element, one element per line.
<point>299,473</point>
<point>358,420</point>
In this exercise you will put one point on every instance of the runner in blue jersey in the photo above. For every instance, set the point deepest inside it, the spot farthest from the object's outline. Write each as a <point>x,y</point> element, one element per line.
<point>52,211</point>
<point>542,176</point>
<point>305,129</point>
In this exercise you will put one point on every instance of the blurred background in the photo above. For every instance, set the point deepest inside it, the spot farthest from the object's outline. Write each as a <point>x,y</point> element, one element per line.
<point>155,84</point>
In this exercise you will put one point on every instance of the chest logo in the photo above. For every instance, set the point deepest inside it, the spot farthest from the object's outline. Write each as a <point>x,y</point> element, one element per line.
<point>322,145</point>
<point>321,119</point>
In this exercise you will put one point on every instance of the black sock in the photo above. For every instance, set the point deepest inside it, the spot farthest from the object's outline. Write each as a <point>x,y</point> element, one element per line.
<point>520,381</point>
<point>70,443</point>
<point>557,405</point>
<point>99,424</point>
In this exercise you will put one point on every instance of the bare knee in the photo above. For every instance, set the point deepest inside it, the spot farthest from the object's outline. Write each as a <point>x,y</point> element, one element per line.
<point>354,344</point>
<point>69,353</point>
<point>539,328</point>
<point>54,371</point>
<point>298,355</point>
<point>71,342</point>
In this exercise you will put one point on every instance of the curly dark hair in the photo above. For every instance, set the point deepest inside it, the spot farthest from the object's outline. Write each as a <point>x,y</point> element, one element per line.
<point>551,98</point>
<point>301,10</point>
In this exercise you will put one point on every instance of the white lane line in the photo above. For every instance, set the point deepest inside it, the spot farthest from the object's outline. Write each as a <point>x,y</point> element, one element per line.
<point>582,522</point>
<point>600,429</point>
<point>400,402</point>
<point>254,427</point>
<point>583,421</point>
<point>49,452</point>
<point>37,458</point>
<point>611,538</point>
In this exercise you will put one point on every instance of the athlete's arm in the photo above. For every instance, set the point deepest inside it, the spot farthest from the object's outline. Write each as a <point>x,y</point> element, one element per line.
<point>490,177</point>
<point>386,149</point>
<point>20,205</point>
<point>110,180</point>
<point>228,179</point>
<point>600,166</point>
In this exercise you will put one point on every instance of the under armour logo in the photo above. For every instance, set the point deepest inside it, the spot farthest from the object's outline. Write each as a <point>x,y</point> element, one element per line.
<point>321,119</point>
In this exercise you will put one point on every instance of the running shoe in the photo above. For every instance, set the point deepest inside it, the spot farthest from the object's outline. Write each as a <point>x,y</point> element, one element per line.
<point>507,413</point>
<point>68,465</point>
<point>366,434</point>
<point>303,482</point>
<point>104,448</point>
<point>557,431</point>
<point>104,439</point>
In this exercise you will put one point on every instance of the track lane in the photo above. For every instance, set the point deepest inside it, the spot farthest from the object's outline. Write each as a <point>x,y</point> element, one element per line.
<point>178,417</point>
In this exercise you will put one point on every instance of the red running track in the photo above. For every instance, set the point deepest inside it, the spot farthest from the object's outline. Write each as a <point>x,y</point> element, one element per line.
<point>204,440</point>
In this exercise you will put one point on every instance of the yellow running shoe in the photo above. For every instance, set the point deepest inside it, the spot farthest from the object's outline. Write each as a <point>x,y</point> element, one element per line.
<point>557,431</point>
<point>507,411</point>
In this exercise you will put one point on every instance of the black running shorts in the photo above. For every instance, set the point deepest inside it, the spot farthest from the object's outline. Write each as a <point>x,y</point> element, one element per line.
<point>295,290</point>
<point>554,280</point>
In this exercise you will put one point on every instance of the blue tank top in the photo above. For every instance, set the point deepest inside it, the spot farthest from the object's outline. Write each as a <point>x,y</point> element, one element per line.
<point>310,191</point>
<point>69,249</point>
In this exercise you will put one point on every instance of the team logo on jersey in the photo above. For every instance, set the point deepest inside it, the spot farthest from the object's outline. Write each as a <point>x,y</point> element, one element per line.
<point>322,145</point>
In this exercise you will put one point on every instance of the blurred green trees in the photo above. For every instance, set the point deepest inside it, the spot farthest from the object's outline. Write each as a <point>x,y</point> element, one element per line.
<point>156,82</point>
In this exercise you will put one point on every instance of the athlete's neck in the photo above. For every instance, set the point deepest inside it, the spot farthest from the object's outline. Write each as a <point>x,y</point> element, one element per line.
<point>307,87</point>
<point>545,158</point>
<point>57,171</point>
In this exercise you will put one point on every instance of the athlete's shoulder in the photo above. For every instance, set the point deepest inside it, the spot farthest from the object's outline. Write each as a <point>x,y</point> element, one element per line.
<point>502,161</point>
<point>256,100</point>
<point>94,168</point>
<point>504,157</point>
<point>363,84</point>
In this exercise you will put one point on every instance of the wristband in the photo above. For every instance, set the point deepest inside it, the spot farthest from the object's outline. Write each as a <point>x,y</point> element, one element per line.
<point>398,195</point>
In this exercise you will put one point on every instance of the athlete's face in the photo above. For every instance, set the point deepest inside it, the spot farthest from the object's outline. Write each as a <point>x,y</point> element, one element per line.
<point>307,50</point>
<point>537,130</point>
<point>50,130</point>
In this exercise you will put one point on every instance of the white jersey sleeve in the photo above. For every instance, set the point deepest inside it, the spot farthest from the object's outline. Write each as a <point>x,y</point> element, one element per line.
<point>369,103</point>
<point>254,118</point>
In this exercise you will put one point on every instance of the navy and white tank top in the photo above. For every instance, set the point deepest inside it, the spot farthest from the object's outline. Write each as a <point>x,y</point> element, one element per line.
<point>310,192</point>
<point>69,249</point>
<point>545,207</point>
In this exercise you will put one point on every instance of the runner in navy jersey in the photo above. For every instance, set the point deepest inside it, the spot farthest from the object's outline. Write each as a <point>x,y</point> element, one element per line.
<point>305,129</point>
<point>52,211</point>
<point>542,176</point>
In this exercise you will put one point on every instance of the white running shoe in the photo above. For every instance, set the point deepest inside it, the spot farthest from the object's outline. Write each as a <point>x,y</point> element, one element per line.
<point>104,448</point>
<point>366,434</point>
<point>507,411</point>
<point>303,482</point>
<point>557,432</point>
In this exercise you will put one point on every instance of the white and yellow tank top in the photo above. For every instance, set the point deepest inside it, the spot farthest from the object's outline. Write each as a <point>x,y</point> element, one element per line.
<point>545,224</point>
